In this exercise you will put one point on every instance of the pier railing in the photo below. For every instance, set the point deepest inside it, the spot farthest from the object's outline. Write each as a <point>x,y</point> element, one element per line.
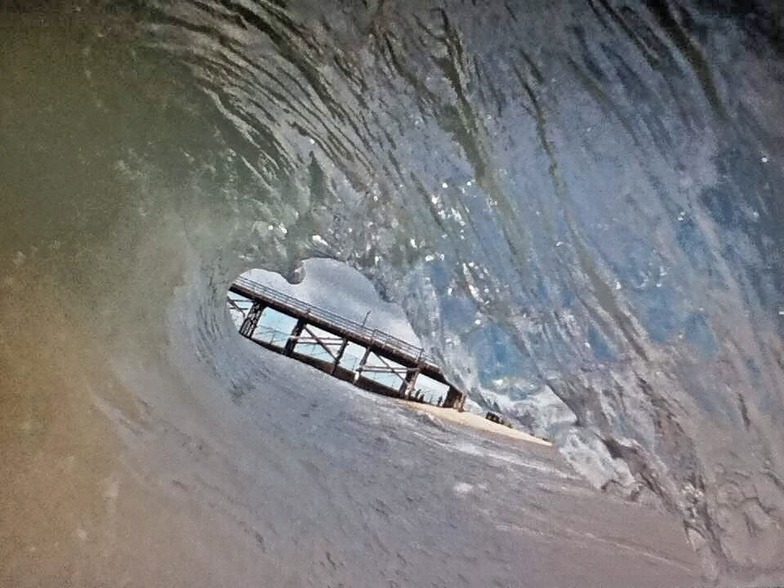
<point>356,330</point>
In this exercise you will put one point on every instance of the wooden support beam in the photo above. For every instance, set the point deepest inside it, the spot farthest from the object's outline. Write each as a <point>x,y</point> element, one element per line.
<point>409,382</point>
<point>339,356</point>
<point>294,337</point>
<point>251,321</point>
<point>323,342</point>
<point>386,369</point>
<point>455,399</point>
<point>362,363</point>
<point>233,304</point>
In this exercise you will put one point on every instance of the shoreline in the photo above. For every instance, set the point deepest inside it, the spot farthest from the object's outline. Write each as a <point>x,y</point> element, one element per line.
<point>475,421</point>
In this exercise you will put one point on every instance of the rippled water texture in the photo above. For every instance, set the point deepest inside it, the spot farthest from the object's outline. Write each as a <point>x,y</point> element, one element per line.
<point>578,205</point>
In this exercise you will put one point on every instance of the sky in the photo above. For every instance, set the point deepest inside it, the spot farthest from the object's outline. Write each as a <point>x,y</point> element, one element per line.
<point>333,285</point>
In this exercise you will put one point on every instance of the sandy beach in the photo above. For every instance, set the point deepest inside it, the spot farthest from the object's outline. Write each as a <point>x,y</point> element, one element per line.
<point>475,421</point>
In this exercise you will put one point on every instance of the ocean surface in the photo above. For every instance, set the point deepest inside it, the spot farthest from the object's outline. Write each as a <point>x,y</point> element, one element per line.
<point>577,205</point>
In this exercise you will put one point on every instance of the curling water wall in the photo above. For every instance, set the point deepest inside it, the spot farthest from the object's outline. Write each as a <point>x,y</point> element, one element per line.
<point>577,204</point>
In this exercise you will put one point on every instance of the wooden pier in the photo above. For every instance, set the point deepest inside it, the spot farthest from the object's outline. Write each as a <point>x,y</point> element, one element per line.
<point>333,334</point>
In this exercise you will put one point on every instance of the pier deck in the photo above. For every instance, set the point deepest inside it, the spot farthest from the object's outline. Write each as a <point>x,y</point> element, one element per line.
<point>332,334</point>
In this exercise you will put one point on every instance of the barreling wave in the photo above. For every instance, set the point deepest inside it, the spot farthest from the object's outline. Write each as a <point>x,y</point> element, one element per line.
<point>577,205</point>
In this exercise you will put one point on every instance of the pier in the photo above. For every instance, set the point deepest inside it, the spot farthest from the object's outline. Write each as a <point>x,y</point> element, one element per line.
<point>368,358</point>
